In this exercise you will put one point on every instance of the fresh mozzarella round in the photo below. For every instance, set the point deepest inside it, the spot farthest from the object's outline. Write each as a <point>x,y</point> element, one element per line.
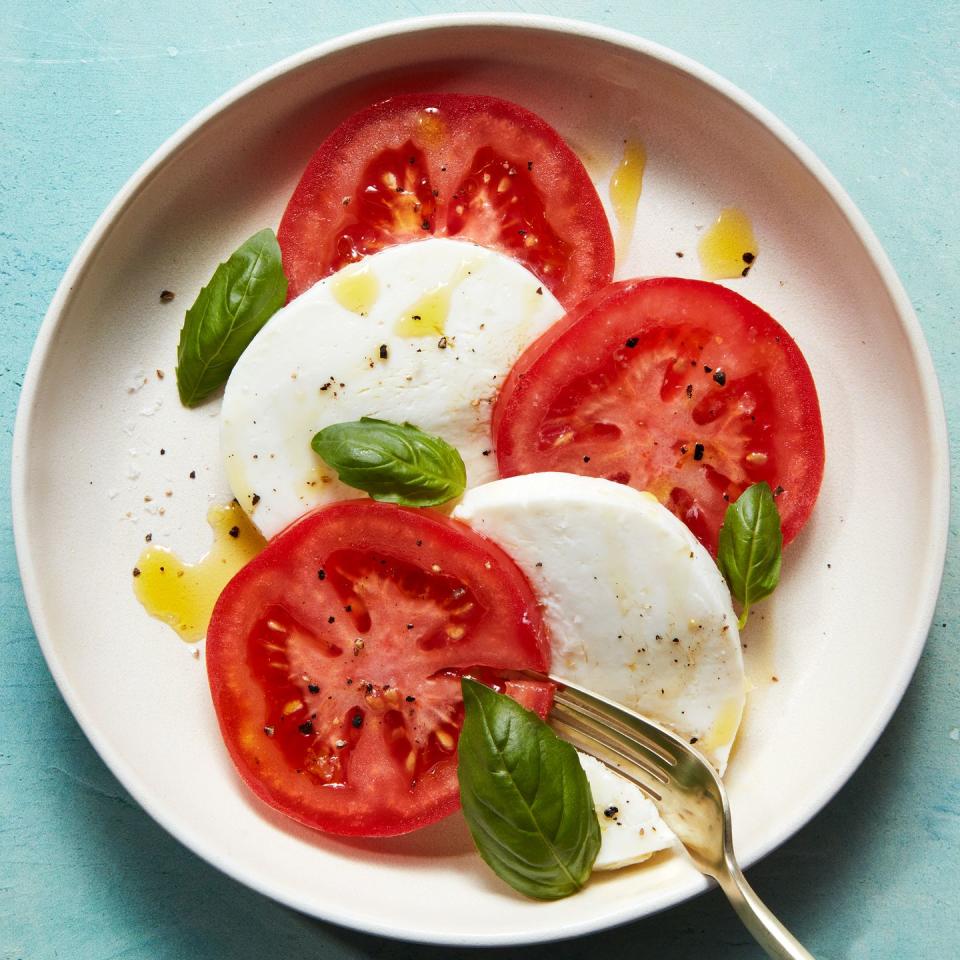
<point>636,608</point>
<point>631,830</point>
<point>422,332</point>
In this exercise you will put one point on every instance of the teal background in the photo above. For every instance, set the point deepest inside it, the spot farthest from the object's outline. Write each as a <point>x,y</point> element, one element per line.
<point>90,89</point>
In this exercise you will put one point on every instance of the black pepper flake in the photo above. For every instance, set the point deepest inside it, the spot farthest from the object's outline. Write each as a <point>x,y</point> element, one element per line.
<point>749,257</point>
<point>166,296</point>
<point>677,639</point>
<point>409,626</point>
<point>425,225</point>
<point>234,532</point>
<point>632,342</point>
<point>255,499</point>
<point>719,376</point>
<point>162,451</point>
<point>486,453</point>
<point>539,563</point>
<point>683,448</point>
<point>611,812</point>
<point>586,459</point>
<point>193,474</point>
<point>331,619</point>
<point>410,698</point>
<point>313,687</point>
<point>707,369</point>
<point>744,271</point>
<point>348,608</point>
<point>349,681</point>
<point>529,164</point>
<point>419,543</point>
<point>698,452</point>
<point>539,291</point>
<point>148,537</point>
<point>268,731</point>
<point>442,343</point>
<point>690,390</point>
<point>777,490</point>
<point>321,574</point>
<point>357,721</point>
<point>383,351</point>
<point>136,571</point>
<point>306,728</point>
<point>680,253</point>
<point>694,739</point>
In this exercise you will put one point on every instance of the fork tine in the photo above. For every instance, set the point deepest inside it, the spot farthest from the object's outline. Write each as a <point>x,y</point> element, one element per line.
<point>623,724</point>
<point>619,749</point>
<point>664,744</point>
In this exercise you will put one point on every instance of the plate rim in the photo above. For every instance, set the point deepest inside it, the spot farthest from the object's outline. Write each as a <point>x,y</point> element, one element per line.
<point>930,397</point>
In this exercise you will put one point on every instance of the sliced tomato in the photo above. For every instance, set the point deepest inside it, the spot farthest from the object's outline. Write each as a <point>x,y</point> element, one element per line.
<point>448,165</point>
<point>678,387</point>
<point>335,659</point>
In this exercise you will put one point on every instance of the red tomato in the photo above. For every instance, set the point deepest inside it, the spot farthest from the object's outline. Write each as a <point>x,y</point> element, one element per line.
<point>679,387</point>
<point>335,660</point>
<point>448,165</point>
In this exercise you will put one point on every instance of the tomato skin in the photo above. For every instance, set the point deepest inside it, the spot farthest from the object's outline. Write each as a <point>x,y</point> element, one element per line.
<point>326,688</point>
<point>680,387</point>
<point>470,167</point>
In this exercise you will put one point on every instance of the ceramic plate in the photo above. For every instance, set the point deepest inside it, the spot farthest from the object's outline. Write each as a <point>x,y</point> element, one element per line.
<point>842,635</point>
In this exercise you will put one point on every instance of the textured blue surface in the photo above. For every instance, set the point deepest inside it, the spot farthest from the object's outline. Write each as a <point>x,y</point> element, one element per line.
<point>90,88</point>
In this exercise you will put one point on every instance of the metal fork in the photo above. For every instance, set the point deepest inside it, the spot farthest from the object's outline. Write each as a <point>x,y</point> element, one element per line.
<point>685,789</point>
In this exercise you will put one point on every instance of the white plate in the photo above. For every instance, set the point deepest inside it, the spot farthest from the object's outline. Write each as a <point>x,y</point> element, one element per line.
<point>848,622</point>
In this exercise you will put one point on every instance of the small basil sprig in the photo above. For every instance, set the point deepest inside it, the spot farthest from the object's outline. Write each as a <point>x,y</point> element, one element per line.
<point>240,298</point>
<point>748,554</point>
<point>396,462</point>
<point>525,797</point>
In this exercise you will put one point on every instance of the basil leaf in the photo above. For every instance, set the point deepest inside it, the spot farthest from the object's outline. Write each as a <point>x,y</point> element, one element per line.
<point>750,544</point>
<point>240,298</point>
<point>396,462</point>
<point>525,796</point>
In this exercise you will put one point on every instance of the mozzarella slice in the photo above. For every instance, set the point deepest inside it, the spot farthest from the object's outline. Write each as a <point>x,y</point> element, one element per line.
<point>423,332</point>
<point>631,830</point>
<point>637,609</point>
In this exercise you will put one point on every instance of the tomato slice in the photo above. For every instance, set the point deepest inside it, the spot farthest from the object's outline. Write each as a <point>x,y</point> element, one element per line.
<point>448,165</point>
<point>679,387</point>
<point>335,659</point>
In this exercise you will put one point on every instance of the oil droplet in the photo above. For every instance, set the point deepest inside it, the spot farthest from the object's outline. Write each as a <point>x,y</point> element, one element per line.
<point>728,248</point>
<point>428,316</point>
<point>356,290</point>
<point>724,727</point>
<point>430,127</point>
<point>183,594</point>
<point>626,185</point>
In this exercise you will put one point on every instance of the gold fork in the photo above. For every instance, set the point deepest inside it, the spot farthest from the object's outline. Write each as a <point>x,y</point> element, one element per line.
<point>685,789</point>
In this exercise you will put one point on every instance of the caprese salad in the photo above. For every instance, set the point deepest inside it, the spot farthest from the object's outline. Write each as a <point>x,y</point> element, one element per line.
<point>564,475</point>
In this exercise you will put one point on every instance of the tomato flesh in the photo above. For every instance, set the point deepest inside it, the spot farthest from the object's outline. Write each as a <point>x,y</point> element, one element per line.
<point>335,660</point>
<point>448,165</point>
<point>678,387</point>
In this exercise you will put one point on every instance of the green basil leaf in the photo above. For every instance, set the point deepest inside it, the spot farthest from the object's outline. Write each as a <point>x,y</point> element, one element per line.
<point>750,545</point>
<point>396,462</point>
<point>525,797</point>
<point>240,298</point>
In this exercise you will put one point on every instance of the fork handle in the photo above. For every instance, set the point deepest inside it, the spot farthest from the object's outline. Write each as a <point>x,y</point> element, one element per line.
<point>767,930</point>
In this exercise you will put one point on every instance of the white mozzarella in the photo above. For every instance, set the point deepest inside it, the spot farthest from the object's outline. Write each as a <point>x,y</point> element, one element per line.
<point>631,830</point>
<point>423,332</point>
<point>637,609</point>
